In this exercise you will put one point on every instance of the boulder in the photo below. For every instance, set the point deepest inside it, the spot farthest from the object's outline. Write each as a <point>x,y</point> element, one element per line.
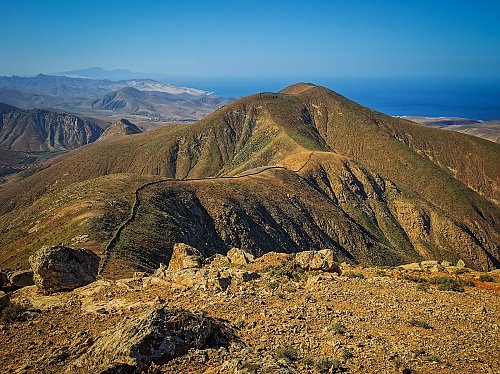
<point>21,278</point>
<point>239,257</point>
<point>59,268</point>
<point>3,279</point>
<point>445,263</point>
<point>324,260</point>
<point>412,266</point>
<point>185,257</point>
<point>460,264</point>
<point>428,264</point>
<point>155,336</point>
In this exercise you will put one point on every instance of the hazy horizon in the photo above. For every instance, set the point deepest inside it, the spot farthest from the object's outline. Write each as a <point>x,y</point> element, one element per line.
<point>255,40</point>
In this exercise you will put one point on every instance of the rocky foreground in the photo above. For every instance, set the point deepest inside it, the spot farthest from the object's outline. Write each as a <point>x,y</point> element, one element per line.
<point>275,314</point>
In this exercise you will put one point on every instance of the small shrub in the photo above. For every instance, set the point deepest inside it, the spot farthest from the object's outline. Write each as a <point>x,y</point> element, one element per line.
<point>381,273</point>
<point>355,274</point>
<point>449,284</point>
<point>423,286</point>
<point>462,271</point>
<point>308,361</point>
<point>273,285</point>
<point>290,271</point>
<point>486,278</point>
<point>418,323</point>
<point>13,313</point>
<point>399,362</point>
<point>414,278</point>
<point>339,329</point>
<point>347,354</point>
<point>327,365</point>
<point>287,352</point>
<point>240,324</point>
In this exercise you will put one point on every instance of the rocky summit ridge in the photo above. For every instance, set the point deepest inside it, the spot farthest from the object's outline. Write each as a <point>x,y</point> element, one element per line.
<point>278,313</point>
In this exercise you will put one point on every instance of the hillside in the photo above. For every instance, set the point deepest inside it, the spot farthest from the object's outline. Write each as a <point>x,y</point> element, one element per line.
<point>379,190</point>
<point>37,130</point>
<point>120,128</point>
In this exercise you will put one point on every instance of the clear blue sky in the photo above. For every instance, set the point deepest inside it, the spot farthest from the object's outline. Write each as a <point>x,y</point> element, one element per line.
<point>254,38</point>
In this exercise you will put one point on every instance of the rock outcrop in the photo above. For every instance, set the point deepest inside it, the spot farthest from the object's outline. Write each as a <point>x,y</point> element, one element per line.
<point>184,257</point>
<point>324,260</point>
<point>21,278</point>
<point>60,268</point>
<point>154,337</point>
<point>239,257</point>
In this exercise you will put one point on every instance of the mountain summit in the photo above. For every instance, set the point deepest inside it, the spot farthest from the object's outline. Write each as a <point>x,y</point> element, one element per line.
<point>304,168</point>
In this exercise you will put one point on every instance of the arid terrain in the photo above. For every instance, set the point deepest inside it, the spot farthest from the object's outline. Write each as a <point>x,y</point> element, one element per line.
<point>277,319</point>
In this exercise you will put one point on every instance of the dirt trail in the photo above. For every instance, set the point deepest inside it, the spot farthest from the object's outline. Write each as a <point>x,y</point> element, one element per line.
<point>133,212</point>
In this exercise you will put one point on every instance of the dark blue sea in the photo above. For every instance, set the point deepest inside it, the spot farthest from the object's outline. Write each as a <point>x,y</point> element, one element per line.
<point>436,97</point>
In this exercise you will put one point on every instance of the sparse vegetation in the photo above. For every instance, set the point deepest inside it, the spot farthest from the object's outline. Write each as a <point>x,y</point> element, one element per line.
<point>240,324</point>
<point>339,329</point>
<point>486,278</point>
<point>14,312</point>
<point>420,323</point>
<point>273,285</point>
<point>289,270</point>
<point>354,274</point>
<point>287,352</point>
<point>328,365</point>
<point>449,284</point>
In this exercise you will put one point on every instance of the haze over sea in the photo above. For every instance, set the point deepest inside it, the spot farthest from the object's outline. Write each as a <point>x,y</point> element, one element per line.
<point>433,97</point>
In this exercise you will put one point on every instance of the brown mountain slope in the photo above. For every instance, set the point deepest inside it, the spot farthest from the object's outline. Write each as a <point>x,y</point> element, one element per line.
<point>377,189</point>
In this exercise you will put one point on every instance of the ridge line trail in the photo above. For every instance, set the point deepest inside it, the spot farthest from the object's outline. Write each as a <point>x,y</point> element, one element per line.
<point>135,205</point>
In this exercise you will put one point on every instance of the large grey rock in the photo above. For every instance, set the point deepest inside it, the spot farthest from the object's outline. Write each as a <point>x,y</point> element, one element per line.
<point>155,336</point>
<point>428,264</point>
<point>324,259</point>
<point>21,278</point>
<point>239,257</point>
<point>412,266</point>
<point>60,268</point>
<point>184,257</point>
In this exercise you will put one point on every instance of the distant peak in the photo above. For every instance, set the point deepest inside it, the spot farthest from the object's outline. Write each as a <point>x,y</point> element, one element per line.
<point>297,88</point>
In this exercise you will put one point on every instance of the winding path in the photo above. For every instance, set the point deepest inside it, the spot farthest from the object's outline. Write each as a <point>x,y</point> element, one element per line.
<point>133,212</point>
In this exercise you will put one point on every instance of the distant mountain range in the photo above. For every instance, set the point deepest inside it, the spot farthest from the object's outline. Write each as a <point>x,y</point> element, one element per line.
<point>113,75</point>
<point>99,98</point>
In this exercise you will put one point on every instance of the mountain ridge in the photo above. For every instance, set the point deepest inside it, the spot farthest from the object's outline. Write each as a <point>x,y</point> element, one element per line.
<point>399,191</point>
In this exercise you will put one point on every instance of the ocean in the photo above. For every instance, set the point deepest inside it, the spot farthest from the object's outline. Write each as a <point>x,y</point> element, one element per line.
<point>437,97</point>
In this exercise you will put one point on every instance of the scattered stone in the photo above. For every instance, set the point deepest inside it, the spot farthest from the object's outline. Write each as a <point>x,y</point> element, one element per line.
<point>445,263</point>
<point>59,268</point>
<point>21,278</point>
<point>239,257</point>
<point>155,336</point>
<point>460,264</point>
<point>324,260</point>
<point>185,257</point>
<point>437,268</point>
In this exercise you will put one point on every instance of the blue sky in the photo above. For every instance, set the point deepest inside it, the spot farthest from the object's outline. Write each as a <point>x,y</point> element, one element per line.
<point>254,38</point>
